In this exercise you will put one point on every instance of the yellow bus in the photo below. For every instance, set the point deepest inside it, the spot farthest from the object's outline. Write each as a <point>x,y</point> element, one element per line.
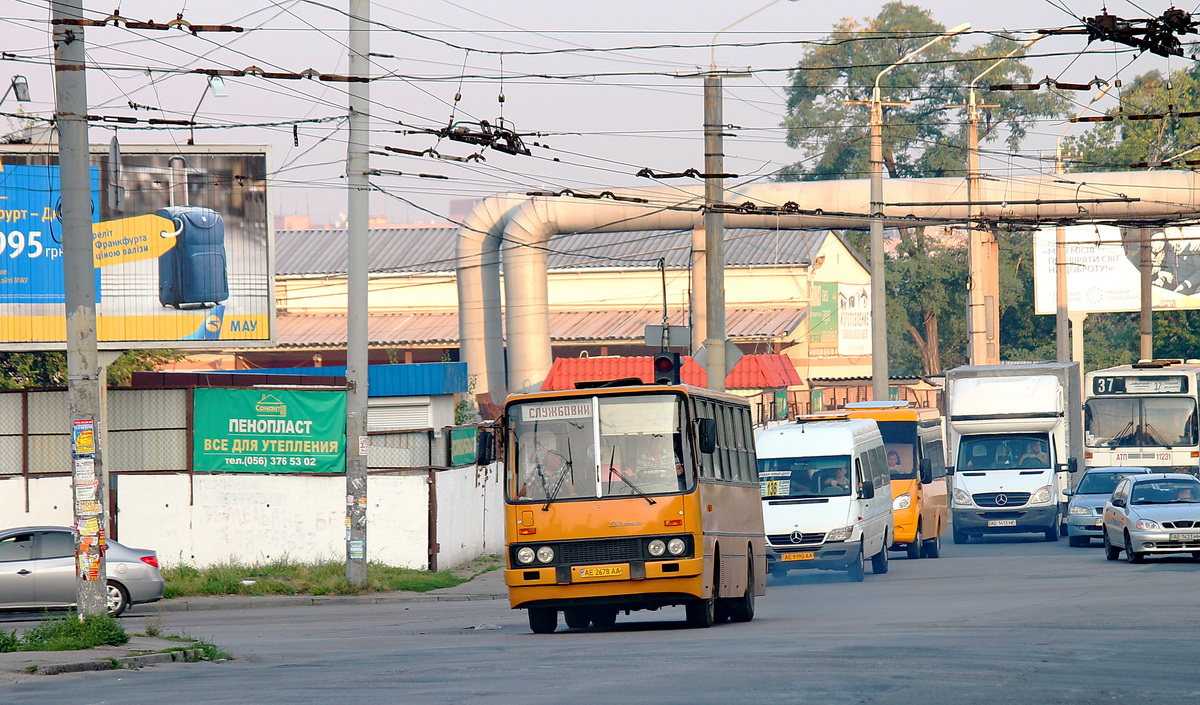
<point>913,440</point>
<point>631,497</point>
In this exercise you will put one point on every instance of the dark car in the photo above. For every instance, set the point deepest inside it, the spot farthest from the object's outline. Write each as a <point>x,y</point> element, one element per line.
<point>37,571</point>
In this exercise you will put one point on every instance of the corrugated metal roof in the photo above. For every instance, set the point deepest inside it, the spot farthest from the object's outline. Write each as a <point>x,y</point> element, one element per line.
<point>750,372</point>
<point>311,330</point>
<point>393,380</point>
<point>432,248</point>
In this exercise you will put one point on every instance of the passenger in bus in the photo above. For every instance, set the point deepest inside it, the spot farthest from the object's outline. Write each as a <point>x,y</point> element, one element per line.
<point>894,466</point>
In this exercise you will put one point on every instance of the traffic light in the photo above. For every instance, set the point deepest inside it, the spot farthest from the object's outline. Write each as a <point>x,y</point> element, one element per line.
<point>666,368</point>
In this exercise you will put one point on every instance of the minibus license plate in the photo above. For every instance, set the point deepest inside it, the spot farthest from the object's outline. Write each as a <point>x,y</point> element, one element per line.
<point>1185,537</point>
<point>601,572</point>
<point>797,556</point>
<point>1002,522</point>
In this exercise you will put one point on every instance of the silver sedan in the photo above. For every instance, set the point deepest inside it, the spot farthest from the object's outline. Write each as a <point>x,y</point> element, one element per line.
<point>1149,514</point>
<point>37,571</point>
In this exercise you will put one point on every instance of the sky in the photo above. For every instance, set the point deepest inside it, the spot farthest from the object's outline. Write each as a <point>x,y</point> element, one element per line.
<point>600,108</point>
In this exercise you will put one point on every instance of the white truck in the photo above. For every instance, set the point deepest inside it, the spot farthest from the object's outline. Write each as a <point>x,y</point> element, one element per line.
<point>1015,435</point>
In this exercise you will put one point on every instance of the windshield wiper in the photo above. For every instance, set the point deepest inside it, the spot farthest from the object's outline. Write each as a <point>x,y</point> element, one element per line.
<point>1120,436</point>
<point>1155,436</point>
<point>612,470</point>
<point>568,467</point>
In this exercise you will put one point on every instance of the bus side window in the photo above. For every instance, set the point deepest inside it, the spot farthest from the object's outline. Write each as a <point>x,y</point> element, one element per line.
<point>725,434</point>
<point>877,467</point>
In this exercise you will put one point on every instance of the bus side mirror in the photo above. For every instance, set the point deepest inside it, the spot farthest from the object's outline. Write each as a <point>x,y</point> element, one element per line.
<point>926,471</point>
<point>706,429</point>
<point>485,448</point>
<point>1072,465</point>
<point>866,491</point>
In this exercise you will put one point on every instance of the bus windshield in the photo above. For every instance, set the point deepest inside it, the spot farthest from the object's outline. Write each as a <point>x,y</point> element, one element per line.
<point>900,440</point>
<point>603,446</point>
<point>1138,422</point>
<point>789,478</point>
<point>1003,451</point>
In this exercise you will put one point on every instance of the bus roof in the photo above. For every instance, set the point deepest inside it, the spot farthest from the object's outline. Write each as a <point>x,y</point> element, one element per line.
<point>893,413</point>
<point>685,389</point>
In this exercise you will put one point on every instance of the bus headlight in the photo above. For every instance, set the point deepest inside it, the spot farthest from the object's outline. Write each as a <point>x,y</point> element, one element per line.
<point>656,548</point>
<point>961,498</point>
<point>525,555</point>
<point>1076,510</point>
<point>676,547</point>
<point>545,554</point>
<point>1041,496</point>
<point>904,501</point>
<point>841,534</point>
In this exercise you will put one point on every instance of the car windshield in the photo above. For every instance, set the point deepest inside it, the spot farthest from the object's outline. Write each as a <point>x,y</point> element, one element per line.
<point>1165,492</point>
<point>1139,423</point>
<point>788,478</point>
<point>1101,482</point>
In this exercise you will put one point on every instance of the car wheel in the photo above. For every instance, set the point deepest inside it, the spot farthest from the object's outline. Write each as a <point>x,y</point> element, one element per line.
<point>543,620</point>
<point>1077,541</point>
<point>1111,552</point>
<point>915,548</point>
<point>1131,555</point>
<point>858,569</point>
<point>577,618</point>
<point>117,598</point>
<point>879,561</point>
<point>932,548</point>
<point>604,617</point>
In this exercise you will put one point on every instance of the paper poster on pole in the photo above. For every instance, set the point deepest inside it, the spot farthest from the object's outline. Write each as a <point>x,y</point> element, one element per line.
<point>854,319</point>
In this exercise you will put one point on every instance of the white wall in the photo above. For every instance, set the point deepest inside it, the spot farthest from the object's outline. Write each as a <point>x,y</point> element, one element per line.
<point>259,518</point>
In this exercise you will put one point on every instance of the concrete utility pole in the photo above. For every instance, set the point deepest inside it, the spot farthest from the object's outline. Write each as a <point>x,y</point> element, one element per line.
<point>357,211</point>
<point>84,372</point>
<point>1146,315</point>
<point>714,232</point>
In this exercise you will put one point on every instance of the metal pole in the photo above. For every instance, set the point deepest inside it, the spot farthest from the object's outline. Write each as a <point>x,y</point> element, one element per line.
<point>714,233</point>
<point>879,346</point>
<point>358,205</point>
<point>83,358</point>
<point>1146,338</point>
<point>1061,315</point>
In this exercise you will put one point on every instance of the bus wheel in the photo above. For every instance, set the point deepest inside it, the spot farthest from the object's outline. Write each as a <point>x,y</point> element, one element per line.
<point>604,617</point>
<point>577,618</point>
<point>914,548</point>
<point>543,620</point>
<point>858,569</point>
<point>742,610</point>
<point>701,612</point>
<point>932,547</point>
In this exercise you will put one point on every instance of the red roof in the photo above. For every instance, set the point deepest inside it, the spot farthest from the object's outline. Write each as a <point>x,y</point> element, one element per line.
<point>751,372</point>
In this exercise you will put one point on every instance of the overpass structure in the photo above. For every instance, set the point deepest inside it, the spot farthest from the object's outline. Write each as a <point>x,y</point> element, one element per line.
<point>516,230</point>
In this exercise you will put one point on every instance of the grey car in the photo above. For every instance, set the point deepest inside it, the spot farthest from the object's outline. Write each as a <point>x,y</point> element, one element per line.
<point>1151,514</point>
<point>1085,510</point>
<point>37,571</point>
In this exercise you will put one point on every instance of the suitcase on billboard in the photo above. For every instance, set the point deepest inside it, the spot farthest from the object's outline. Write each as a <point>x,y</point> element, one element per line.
<point>193,271</point>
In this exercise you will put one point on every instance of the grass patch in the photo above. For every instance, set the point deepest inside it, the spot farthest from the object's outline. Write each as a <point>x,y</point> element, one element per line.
<point>67,633</point>
<point>286,577</point>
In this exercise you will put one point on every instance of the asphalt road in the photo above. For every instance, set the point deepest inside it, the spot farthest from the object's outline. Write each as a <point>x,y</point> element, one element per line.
<point>1008,621</point>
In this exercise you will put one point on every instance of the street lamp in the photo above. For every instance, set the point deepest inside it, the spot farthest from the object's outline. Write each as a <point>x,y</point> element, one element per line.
<point>1061,316</point>
<point>879,347</point>
<point>983,291</point>
<point>19,87</point>
<point>714,221</point>
<point>216,86</point>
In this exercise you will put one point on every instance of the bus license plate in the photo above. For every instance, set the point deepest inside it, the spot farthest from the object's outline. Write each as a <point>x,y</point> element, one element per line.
<point>601,572</point>
<point>1002,522</point>
<point>797,556</point>
<point>1185,537</point>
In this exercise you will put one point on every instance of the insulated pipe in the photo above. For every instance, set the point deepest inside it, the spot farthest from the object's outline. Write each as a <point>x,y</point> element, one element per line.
<point>480,333</point>
<point>1128,196</point>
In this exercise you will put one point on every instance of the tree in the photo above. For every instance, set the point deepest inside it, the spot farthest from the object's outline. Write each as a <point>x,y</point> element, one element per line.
<point>925,138</point>
<point>49,369</point>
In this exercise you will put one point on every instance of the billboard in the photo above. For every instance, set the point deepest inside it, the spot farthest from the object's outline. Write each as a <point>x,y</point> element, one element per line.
<point>1103,268</point>
<point>181,248</point>
<point>269,430</point>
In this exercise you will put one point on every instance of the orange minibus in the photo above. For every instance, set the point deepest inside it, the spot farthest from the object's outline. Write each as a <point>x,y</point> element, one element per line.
<point>913,441</point>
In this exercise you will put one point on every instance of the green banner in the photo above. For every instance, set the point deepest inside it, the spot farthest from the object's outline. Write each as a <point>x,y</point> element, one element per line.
<point>462,446</point>
<point>269,430</point>
<point>823,316</point>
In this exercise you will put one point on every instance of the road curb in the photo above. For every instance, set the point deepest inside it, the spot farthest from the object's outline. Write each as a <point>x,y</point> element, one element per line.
<point>110,664</point>
<point>236,603</point>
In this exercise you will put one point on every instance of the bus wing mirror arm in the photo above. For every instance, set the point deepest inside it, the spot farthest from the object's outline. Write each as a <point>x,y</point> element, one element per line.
<point>949,469</point>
